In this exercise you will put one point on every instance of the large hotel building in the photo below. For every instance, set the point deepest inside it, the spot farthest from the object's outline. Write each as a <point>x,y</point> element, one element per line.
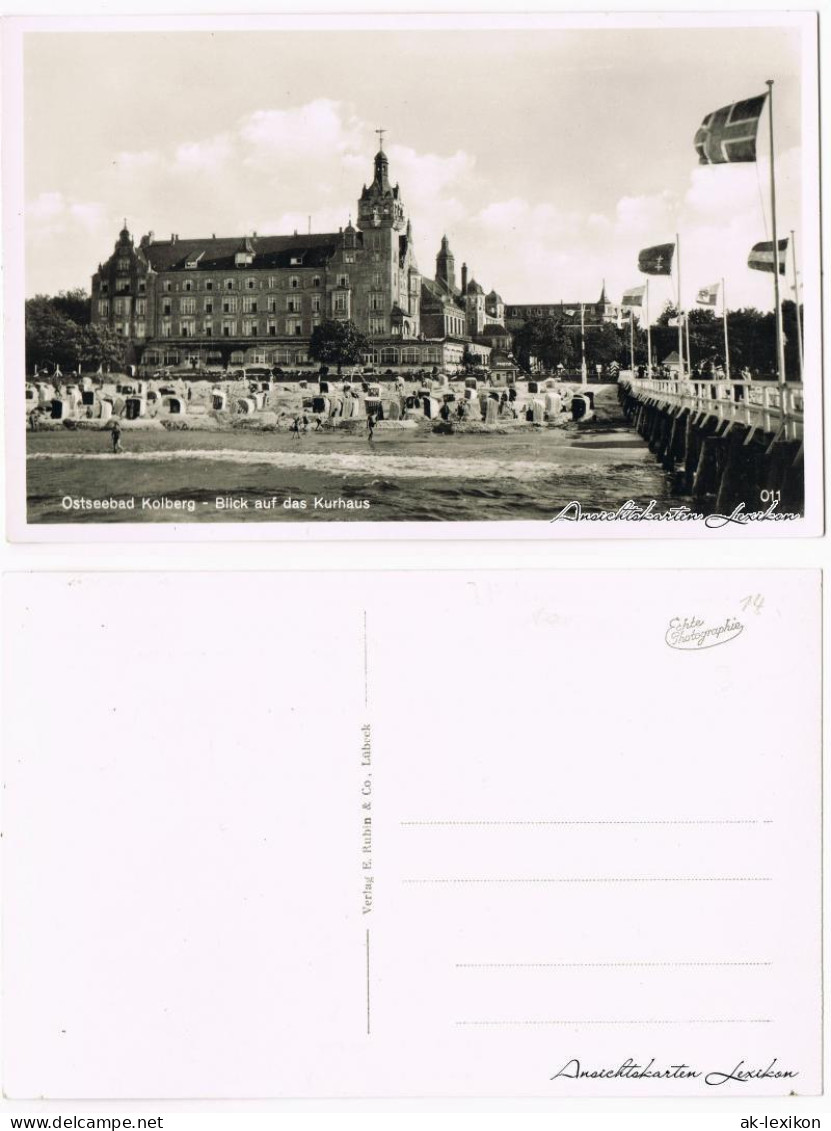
<point>256,299</point>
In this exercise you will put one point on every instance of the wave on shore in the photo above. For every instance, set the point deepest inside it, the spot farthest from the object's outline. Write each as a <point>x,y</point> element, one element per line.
<point>344,463</point>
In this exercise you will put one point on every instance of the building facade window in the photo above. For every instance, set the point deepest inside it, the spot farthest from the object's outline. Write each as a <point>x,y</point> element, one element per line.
<point>229,329</point>
<point>294,283</point>
<point>187,305</point>
<point>293,305</point>
<point>315,304</point>
<point>249,305</point>
<point>229,305</point>
<point>295,327</point>
<point>377,326</point>
<point>167,328</point>
<point>229,284</point>
<point>209,306</point>
<point>103,307</point>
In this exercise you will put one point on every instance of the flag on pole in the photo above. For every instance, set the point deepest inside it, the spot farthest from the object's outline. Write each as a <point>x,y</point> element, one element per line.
<point>761,256</point>
<point>729,134</point>
<point>708,296</point>
<point>677,320</point>
<point>633,297</point>
<point>656,260</point>
<point>570,313</point>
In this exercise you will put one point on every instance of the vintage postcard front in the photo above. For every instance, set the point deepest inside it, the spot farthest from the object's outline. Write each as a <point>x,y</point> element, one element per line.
<point>540,277</point>
<point>460,834</point>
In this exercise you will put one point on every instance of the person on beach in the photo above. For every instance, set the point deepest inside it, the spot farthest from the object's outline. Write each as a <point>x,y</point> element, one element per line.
<point>295,428</point>
<point>370,426</point>
<point>115,436</point>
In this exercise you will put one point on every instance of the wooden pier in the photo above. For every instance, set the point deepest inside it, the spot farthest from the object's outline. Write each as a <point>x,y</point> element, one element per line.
<point>729,442</point>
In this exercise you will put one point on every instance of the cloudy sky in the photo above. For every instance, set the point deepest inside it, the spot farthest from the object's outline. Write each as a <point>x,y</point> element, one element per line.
<point>549,157</point>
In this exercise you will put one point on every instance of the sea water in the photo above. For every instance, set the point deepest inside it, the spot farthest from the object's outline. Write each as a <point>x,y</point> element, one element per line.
<point>525,473</point>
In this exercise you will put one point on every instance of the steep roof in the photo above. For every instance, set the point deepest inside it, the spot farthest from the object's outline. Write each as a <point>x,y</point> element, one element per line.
<point>437,292</point>
<point>473,288</point>
<point>218,254</point>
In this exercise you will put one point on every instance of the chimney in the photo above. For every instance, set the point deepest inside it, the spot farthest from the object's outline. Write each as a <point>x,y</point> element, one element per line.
<point>173,237</point>
<point>464,278</point>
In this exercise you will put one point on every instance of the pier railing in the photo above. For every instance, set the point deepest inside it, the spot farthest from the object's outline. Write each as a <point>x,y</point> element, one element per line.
<point>765,405</point>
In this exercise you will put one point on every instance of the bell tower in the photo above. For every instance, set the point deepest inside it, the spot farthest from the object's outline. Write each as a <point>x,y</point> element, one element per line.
<point>446,266</point>
<point>380,204</point>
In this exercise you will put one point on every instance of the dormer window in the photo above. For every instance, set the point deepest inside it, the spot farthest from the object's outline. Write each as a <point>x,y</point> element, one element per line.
<point>192,261</point>
<point>243,259</point>
<point>296,260</point>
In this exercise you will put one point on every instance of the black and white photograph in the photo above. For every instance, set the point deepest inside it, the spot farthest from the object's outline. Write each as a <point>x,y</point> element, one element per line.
<point>536,278</point>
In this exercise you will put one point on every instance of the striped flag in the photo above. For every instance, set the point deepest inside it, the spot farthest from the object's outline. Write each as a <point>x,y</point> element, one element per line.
<point>728,135</point>
<point>633,297</point>
<point>656,260</point>
<point>708,296</point>
<point>761,256</point>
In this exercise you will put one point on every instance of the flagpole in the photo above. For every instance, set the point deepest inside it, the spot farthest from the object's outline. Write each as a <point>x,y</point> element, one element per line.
<point>780,345</point>
<point>680,327</point>
<point>583,371</point>
<point>724,317</point>
<point>796,303</point>
<point>632,340</point>
<point>687,335</point>
<point>648,334</point>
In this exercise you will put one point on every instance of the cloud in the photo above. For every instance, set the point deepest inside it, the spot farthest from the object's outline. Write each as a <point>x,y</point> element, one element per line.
<point>301,132</point>
<point>51,214</point>
<point>273,168</point>
<point>207,156</point>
